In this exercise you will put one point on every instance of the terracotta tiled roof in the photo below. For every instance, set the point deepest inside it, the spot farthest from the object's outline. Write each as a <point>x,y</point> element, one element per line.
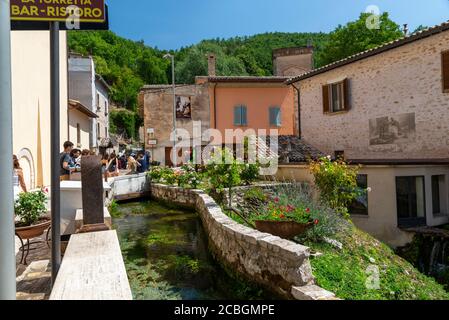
<point>375,51</point>
<point>292,149</point>
<point>247,79</point>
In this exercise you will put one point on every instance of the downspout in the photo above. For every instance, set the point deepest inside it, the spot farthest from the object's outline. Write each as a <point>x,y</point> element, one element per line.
<point>215,106</point>
<point>299,110</point>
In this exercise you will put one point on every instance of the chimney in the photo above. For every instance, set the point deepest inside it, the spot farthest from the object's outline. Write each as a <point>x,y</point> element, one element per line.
<point>211,61</point>
<point>406,29</point>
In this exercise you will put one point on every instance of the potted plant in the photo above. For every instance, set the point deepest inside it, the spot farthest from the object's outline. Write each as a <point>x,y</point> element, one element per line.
<point>30,208</point>
<point>285,221</point>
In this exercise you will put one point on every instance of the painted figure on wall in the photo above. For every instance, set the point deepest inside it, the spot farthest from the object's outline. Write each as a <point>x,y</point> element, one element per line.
<point>392,130</point>
<point>183,107</point>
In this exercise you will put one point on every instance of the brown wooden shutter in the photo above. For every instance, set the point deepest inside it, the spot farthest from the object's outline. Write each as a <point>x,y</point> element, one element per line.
<point>445,69</point>
<point>347,94</point>
<point>326,107</point>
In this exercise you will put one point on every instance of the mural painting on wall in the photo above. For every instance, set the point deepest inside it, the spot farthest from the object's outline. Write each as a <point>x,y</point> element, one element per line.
<point>396,129</point>
<point>183,107</point>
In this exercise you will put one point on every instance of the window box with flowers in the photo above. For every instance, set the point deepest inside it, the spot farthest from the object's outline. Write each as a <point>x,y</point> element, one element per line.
<point>284,220</point>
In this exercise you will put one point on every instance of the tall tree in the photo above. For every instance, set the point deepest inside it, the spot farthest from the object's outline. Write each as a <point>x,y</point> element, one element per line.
<point>356,37</point>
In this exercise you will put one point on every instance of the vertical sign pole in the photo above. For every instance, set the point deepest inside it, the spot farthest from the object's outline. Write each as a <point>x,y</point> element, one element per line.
<point>7,242</point>
<point>175,152</point>
<point>55,143</point>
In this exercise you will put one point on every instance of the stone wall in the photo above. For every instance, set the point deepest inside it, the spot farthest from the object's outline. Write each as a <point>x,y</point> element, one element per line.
<point>401,81</point>
<point>277,264</point>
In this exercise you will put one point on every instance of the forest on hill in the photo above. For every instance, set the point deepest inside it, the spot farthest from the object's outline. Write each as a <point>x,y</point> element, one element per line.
<point>127,65</point>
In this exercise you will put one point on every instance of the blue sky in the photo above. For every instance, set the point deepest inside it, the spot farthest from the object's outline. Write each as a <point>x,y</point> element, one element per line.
<point>171,24</point>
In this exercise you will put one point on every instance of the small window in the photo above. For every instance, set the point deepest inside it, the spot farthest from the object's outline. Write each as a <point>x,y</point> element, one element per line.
<point>275,116</point>
<point>98,102</point>
<point>98,131</point>
<point>78,135</point>
<point>439,204</point>
<point>336,97</point>
<point>240,116</point>
<point>106,108</point>
<point>105,132</point>
<point>445,70</point>
<point>411,204</point>
<point>360,205</point>
<point>339,155</point>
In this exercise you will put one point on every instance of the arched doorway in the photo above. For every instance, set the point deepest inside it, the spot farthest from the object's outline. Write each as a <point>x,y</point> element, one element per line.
<point>27,163</point>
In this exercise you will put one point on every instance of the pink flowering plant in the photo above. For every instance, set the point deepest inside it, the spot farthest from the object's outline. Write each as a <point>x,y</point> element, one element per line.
<point>295,202</point>
<point>281,210</point>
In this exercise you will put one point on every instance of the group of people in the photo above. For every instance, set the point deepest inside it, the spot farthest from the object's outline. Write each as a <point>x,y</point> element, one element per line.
<point>70,161</point>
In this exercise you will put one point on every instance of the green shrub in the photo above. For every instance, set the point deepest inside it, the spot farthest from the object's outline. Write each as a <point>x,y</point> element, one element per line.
<point>255,195</point>
<point>250,173</point>
<point>188,176</point>
<point>30,206</point>
<point>337,183</point>
<point>125,122</point>
<point>223,171</point>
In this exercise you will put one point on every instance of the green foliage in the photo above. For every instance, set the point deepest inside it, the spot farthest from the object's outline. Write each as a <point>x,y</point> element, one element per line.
<point>30,206</point>
<point>355,37</point>
<point>250,172</point>
<point>294,202</point>
<point>337,183</point>
<point>255,195</point>
<point>126,65</point>
<point>240,56</point>
<point>188,176</point>
<point>124,122</point>
<point>276,211</point>
<point>346,271</point>
<point>114,209</point>
<point>223,171</point>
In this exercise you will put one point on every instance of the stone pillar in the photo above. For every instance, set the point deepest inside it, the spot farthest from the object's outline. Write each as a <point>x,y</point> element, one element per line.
<point>92,193</point>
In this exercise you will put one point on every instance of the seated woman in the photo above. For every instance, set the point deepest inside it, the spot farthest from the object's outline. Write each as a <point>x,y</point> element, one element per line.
<point>18,180</point>
<point>113,166</point>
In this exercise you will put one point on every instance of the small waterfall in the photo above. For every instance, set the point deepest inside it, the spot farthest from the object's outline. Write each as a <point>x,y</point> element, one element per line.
<point>433,261</point>
<point>429,254</point>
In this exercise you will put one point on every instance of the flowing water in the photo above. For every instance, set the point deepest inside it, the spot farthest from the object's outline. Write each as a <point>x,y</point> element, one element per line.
<point>430,254</point>
<point>166,256</point>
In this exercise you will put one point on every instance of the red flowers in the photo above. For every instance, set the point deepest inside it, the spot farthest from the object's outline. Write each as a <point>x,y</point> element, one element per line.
<point>276,200</point>
<point>282,216</point>
<point>308,210</point>
<point>316,221</point>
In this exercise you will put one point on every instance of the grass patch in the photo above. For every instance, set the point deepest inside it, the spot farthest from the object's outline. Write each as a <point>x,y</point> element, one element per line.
<point>347,272</point>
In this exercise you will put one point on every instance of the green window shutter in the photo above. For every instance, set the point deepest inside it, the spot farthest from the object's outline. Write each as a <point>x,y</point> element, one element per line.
<point>244,116</point>
<point>275,116</point>
<point>237,116</point>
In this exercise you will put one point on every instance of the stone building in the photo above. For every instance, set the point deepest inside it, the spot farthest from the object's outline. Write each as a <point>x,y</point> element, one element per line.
<point>90,89</point>
<point>219,103</point>
<point>387,109</point>
<point>289,62</point>
<point>156,110</point>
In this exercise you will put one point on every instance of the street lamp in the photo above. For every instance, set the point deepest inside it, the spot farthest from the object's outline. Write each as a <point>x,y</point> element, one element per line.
<point>175,152</point>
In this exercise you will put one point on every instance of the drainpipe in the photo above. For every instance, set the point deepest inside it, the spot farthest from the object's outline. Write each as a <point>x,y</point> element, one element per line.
<point>7,239</point>
<point>215,106</point>
<point>299,110</point>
